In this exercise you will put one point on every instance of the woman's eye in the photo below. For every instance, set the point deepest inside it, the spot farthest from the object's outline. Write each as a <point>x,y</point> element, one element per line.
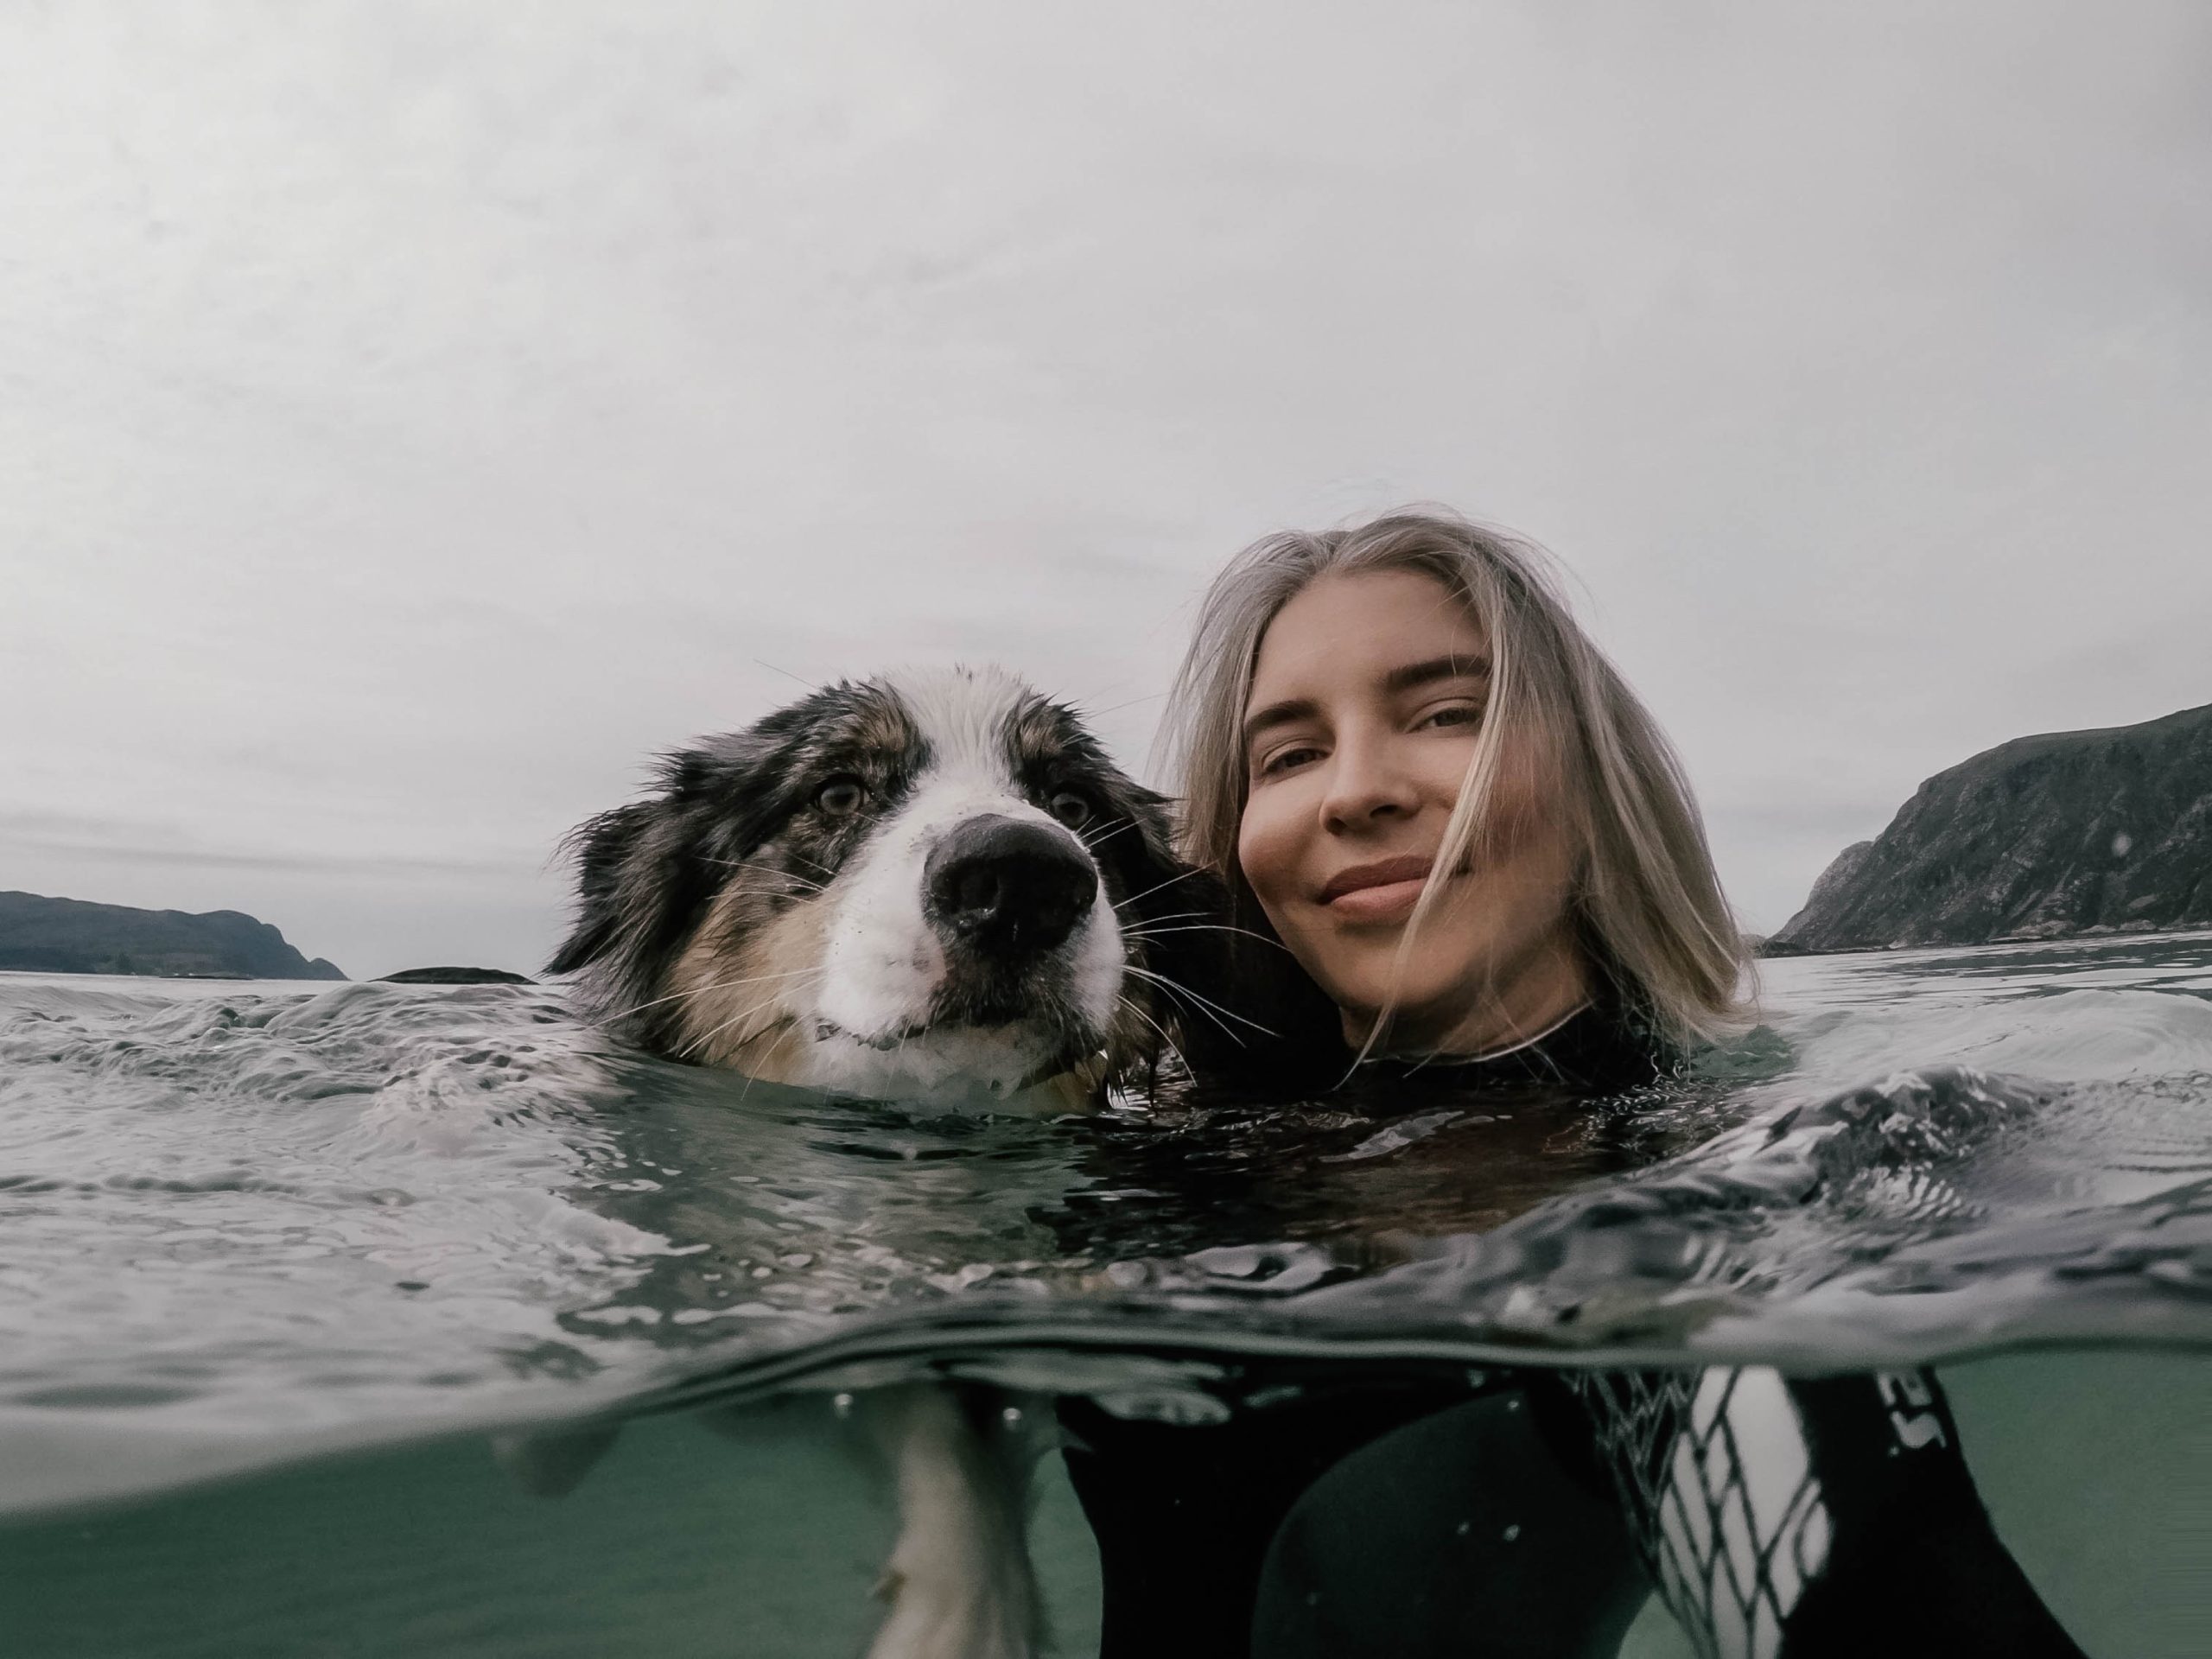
<point>842,797</point>
<point>1071,808</point>
<point>1454,714</point>
<point>1286,760</point>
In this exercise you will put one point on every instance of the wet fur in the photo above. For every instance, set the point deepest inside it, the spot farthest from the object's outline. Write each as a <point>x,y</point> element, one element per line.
<point>703,909</point>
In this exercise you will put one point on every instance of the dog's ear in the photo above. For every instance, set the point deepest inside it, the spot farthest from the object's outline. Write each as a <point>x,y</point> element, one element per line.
<point>645,873</point>
<point>602,847</point>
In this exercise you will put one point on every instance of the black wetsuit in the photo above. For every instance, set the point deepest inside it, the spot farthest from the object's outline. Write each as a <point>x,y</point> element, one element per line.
<point>1345,1510</point>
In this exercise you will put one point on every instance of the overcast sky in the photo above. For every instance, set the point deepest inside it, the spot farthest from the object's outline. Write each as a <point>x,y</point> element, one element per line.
<point>412,416</point>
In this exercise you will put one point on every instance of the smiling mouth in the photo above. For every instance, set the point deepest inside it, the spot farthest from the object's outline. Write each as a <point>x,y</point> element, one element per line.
<point>1385,891</point>
<point>1365,878</point>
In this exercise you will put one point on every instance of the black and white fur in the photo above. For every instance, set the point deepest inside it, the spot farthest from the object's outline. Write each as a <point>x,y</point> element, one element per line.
<point>931,889</point>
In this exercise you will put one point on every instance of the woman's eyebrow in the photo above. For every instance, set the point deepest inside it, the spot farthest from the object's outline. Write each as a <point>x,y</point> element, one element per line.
<point>1277,714</point>
<point>1398,679</point>
<point>1436,667</point>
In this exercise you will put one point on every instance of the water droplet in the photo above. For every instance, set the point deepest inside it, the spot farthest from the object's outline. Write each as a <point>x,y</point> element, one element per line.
<point>2120,844</point>
<point>1011,1416</point>
<point>1464,1527</point>
<point>1512,1532</point>
<point>842,1404</point>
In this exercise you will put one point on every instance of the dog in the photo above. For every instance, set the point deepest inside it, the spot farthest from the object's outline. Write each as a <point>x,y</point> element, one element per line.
<point>930,888</point>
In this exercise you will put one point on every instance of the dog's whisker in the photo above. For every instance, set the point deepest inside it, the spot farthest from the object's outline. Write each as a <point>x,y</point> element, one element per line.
<point>747,1039</point>
<point>1115,709</point>
<point>1181,1059</point>
<point>812,685</point>
<point>1201,927</point>
<point>1138,924</point>
<point>1205,1004</point>
<point>724,985</point>
<point>1140,927</point>
<point>1094,842</point>
<point>769,869</point>
<point>1157,887</point>
<point>1176,988</point>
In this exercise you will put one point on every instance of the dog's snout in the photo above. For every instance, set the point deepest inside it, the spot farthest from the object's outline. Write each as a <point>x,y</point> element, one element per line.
<point>1009,886</point>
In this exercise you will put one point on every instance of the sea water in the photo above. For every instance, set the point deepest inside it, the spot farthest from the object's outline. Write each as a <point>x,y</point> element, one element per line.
<point>310,1297</point>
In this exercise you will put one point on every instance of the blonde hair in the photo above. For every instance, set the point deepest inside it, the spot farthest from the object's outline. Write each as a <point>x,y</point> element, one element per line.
<point>1648,907</point>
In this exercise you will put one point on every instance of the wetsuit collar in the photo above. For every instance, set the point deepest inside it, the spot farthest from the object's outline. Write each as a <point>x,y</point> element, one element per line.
<point>1489,1054</point>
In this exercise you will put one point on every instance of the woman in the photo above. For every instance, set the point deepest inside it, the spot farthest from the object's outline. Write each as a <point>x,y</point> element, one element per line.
<point>1524,842</point>
<point>1454,842</point>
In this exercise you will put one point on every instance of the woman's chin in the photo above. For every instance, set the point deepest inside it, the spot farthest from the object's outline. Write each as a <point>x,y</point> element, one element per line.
<point>1413,1021</point>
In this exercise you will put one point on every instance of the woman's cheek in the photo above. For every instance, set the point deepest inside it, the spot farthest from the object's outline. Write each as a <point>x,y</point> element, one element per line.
<point>1263,850</point>
<point>1270,846</point>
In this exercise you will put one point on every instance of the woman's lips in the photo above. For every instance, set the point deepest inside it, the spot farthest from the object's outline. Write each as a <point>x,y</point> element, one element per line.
<point>1385,891</point>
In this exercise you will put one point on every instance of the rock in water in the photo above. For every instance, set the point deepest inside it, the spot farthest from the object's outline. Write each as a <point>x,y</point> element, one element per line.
<point>71,936</point>
<point>456,976</point>
<point>2043,838</point>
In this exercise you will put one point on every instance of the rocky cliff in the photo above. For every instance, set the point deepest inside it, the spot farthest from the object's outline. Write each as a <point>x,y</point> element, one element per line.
<point>2073,832</point>
<point>70,936</point>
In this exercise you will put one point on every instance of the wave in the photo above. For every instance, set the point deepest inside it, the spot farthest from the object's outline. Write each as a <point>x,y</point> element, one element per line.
<point>249,1223</point>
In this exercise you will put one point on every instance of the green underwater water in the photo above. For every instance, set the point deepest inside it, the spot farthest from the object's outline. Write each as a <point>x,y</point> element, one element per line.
<point>763,1536</point>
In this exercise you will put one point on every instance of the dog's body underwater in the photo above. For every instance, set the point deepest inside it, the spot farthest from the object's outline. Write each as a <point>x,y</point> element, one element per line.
<point>932,889</point>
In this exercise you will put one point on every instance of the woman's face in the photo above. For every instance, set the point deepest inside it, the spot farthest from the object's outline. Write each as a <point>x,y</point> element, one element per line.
<point>1367,696</point>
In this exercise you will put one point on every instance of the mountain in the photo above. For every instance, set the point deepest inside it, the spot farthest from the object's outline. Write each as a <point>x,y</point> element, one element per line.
<point>2043,838</point>
<point>69,936</point>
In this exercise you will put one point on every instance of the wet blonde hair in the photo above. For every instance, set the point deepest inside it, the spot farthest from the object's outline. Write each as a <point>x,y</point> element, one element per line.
<point>1647,907</point>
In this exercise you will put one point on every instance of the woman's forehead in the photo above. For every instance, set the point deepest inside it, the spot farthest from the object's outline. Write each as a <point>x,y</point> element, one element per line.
<point>1351,628</point>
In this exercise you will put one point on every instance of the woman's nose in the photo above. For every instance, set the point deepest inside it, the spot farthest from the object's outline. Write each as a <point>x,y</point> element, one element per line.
<point>1364,786</point>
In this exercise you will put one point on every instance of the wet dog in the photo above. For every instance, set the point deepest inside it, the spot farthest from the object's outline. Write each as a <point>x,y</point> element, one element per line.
<point>933,889</point>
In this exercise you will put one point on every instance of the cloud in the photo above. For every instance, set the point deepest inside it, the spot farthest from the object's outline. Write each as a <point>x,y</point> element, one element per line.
<point>171,855</point>
<point>418,416</point>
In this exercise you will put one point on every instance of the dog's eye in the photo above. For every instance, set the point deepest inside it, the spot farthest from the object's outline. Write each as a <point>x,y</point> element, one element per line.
<point>842,797</point>
<point>1071,808</point>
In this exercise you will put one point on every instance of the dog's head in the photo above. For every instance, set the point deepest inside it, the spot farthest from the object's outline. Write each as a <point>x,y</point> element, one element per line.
<point>931,887</point>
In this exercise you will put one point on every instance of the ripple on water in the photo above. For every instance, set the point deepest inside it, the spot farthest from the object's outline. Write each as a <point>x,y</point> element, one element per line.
<point>257,1219</point>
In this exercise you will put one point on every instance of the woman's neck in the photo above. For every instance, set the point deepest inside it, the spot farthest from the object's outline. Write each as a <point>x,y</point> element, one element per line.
<point>1541,993</point>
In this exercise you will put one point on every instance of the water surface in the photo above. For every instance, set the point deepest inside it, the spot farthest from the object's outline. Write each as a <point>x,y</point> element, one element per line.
<point>249,1226</point>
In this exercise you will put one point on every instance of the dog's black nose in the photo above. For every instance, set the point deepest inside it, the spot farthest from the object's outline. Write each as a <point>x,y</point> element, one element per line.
<point>1009,888</point>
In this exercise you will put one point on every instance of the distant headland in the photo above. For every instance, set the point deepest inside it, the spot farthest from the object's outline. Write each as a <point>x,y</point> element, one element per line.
<point>72,936</point>
<point>2056,836</point>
